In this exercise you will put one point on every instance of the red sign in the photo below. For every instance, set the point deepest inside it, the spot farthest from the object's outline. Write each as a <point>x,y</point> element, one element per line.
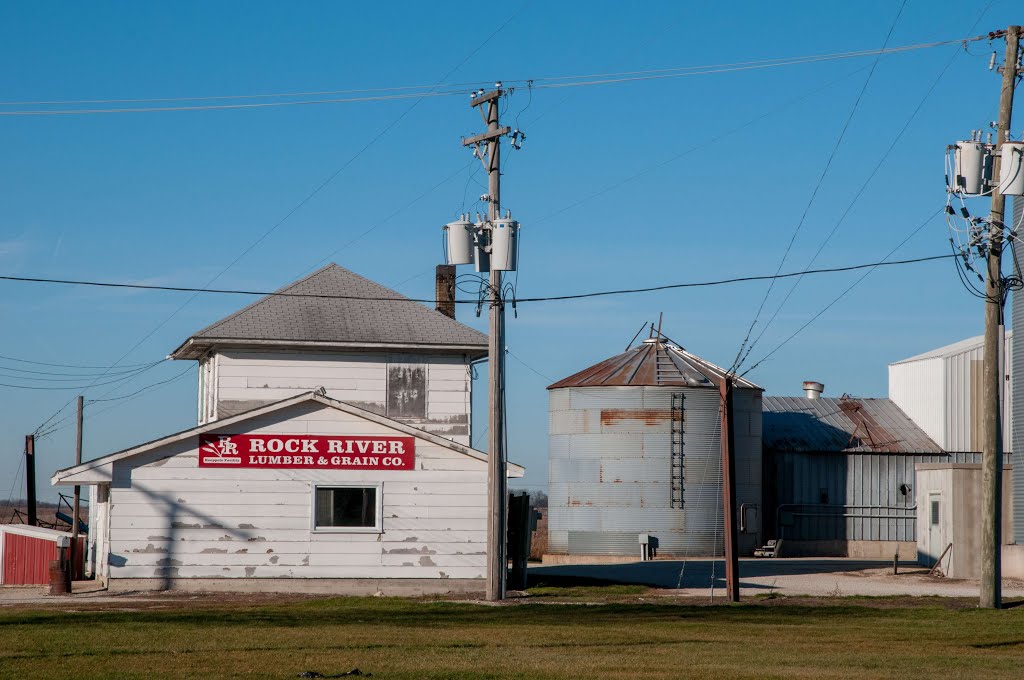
<point>306,452</point>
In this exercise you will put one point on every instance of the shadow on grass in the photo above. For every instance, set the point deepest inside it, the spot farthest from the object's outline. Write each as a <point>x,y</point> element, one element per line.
<point>994,645</point>
<point>396,612</point>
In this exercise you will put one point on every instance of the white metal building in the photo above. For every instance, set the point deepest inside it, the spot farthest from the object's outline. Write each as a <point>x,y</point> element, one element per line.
<point>331,454</point>
<point>941,391</point>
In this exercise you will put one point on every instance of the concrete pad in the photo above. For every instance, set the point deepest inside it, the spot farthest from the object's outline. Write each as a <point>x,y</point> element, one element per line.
<point>796,576</point>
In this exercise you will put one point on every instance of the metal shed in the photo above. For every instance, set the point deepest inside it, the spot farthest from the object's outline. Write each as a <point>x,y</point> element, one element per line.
<point>26,552</point>
<point>635,449</point>
<point>839,475</point>
<point>941,391</point>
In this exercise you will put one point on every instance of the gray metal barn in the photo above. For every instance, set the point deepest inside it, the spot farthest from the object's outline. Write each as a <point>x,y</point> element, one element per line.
<point>839,475</point>
<point>635,449</point>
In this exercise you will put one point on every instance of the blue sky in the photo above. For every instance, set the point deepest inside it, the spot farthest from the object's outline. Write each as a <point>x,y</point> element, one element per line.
<point>172,198</point>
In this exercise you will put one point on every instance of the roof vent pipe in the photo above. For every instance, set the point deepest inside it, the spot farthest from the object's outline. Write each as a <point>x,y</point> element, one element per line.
<point>812,389</point>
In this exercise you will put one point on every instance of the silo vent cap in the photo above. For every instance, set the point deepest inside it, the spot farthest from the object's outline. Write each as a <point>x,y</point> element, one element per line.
<point>813,389</point>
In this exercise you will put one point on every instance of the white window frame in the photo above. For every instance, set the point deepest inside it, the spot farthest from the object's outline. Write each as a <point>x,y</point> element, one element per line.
<point>378,528</point>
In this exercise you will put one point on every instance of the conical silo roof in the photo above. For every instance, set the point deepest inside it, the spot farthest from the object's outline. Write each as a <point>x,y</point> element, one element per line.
<point>653,363</point>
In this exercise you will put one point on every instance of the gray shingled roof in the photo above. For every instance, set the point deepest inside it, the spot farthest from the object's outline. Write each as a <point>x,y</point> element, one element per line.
<point>372,315</point>
<point>823,425</point>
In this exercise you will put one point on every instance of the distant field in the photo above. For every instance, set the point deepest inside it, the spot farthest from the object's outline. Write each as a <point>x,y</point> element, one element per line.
<point>619,632</point>
<point>46,512</point>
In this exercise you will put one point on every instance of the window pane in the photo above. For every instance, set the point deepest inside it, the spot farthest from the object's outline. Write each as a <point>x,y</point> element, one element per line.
<point>346,507</point>
<point>324,503</point>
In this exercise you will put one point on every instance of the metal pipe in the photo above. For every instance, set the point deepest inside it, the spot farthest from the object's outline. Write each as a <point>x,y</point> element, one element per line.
<point>778,512</point>
<point>851,514</point>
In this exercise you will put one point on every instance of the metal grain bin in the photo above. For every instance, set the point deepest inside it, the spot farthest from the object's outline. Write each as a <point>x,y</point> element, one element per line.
<point>635,448</point>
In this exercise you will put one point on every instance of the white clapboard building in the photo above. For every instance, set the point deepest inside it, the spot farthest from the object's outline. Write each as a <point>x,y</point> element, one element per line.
<point>332,454</point>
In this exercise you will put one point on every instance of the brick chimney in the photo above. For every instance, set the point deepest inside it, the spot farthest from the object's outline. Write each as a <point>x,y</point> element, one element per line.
<point>444,290</point>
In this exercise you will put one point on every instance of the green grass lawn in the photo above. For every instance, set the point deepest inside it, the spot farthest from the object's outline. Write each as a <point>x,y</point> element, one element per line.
<point>611,634</point>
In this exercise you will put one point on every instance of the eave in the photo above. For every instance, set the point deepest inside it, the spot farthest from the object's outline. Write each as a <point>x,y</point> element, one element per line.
<point>196,348</point>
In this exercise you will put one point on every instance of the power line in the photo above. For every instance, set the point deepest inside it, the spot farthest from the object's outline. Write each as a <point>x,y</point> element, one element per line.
<point>402,299</point>
<point>46,363</point>
<point>57,426</point>
<point>267,95</point>
<point>696,147</point>
<point>870,268</point>
<point>512,354</point>
<point>741,355</point>
<point>675,73</point>
<point>68,376</point>
<point>311,194</point>
<point>77,387</point>
<point>473,85</point>
<point>222,107</point>
<point>551,82</point>
<point>147,387</point>
<point>394,214</point>
<point>870,177</point>
<point>74,379</point>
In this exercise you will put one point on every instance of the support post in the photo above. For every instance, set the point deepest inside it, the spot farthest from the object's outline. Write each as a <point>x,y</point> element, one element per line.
<point>30,479</point>
<point>992,446</point>
<point>77,511</point>
<point>732,566</point>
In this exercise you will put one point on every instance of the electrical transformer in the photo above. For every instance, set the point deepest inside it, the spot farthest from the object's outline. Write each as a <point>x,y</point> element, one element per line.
<point>504,233</point>
<point>1011,169</point>
<point>460,234</point>
<point>972,167</point>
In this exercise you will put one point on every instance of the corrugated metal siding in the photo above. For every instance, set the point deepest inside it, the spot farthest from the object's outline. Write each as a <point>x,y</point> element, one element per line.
<point>940,390</point>
<point>26,559</point>
<point>963,371</point>
<point>610,470</point>
<point>820,488</point>
<point>1016,362</point>
<point>917,388</point>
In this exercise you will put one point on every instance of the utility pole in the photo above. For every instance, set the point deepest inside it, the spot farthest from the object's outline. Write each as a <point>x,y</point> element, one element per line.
<point>30,478</point>
<point>497,479</point>
<point>992,447</point>
<point>732,563</point>
<point>76,514</point>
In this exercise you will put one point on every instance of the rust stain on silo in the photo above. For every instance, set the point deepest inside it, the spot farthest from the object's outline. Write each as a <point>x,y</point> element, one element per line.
<point>649,416</point>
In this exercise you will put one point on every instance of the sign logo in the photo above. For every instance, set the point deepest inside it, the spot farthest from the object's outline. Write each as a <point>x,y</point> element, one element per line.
<point>223,450</point>
<point>312,452</point>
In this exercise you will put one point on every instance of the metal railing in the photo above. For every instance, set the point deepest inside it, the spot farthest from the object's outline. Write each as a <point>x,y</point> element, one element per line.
<point>875,512</point>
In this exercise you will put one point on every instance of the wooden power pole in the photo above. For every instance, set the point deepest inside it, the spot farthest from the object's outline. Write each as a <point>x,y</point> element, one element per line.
<point>30,478</point>
<point>992,447</point>
<point>77,512</point>
<point>732,563</point>
<point>497,480</point>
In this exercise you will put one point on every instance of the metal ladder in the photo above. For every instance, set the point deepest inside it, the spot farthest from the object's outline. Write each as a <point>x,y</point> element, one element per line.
<point>664,367</point>
<point>676,430</point>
